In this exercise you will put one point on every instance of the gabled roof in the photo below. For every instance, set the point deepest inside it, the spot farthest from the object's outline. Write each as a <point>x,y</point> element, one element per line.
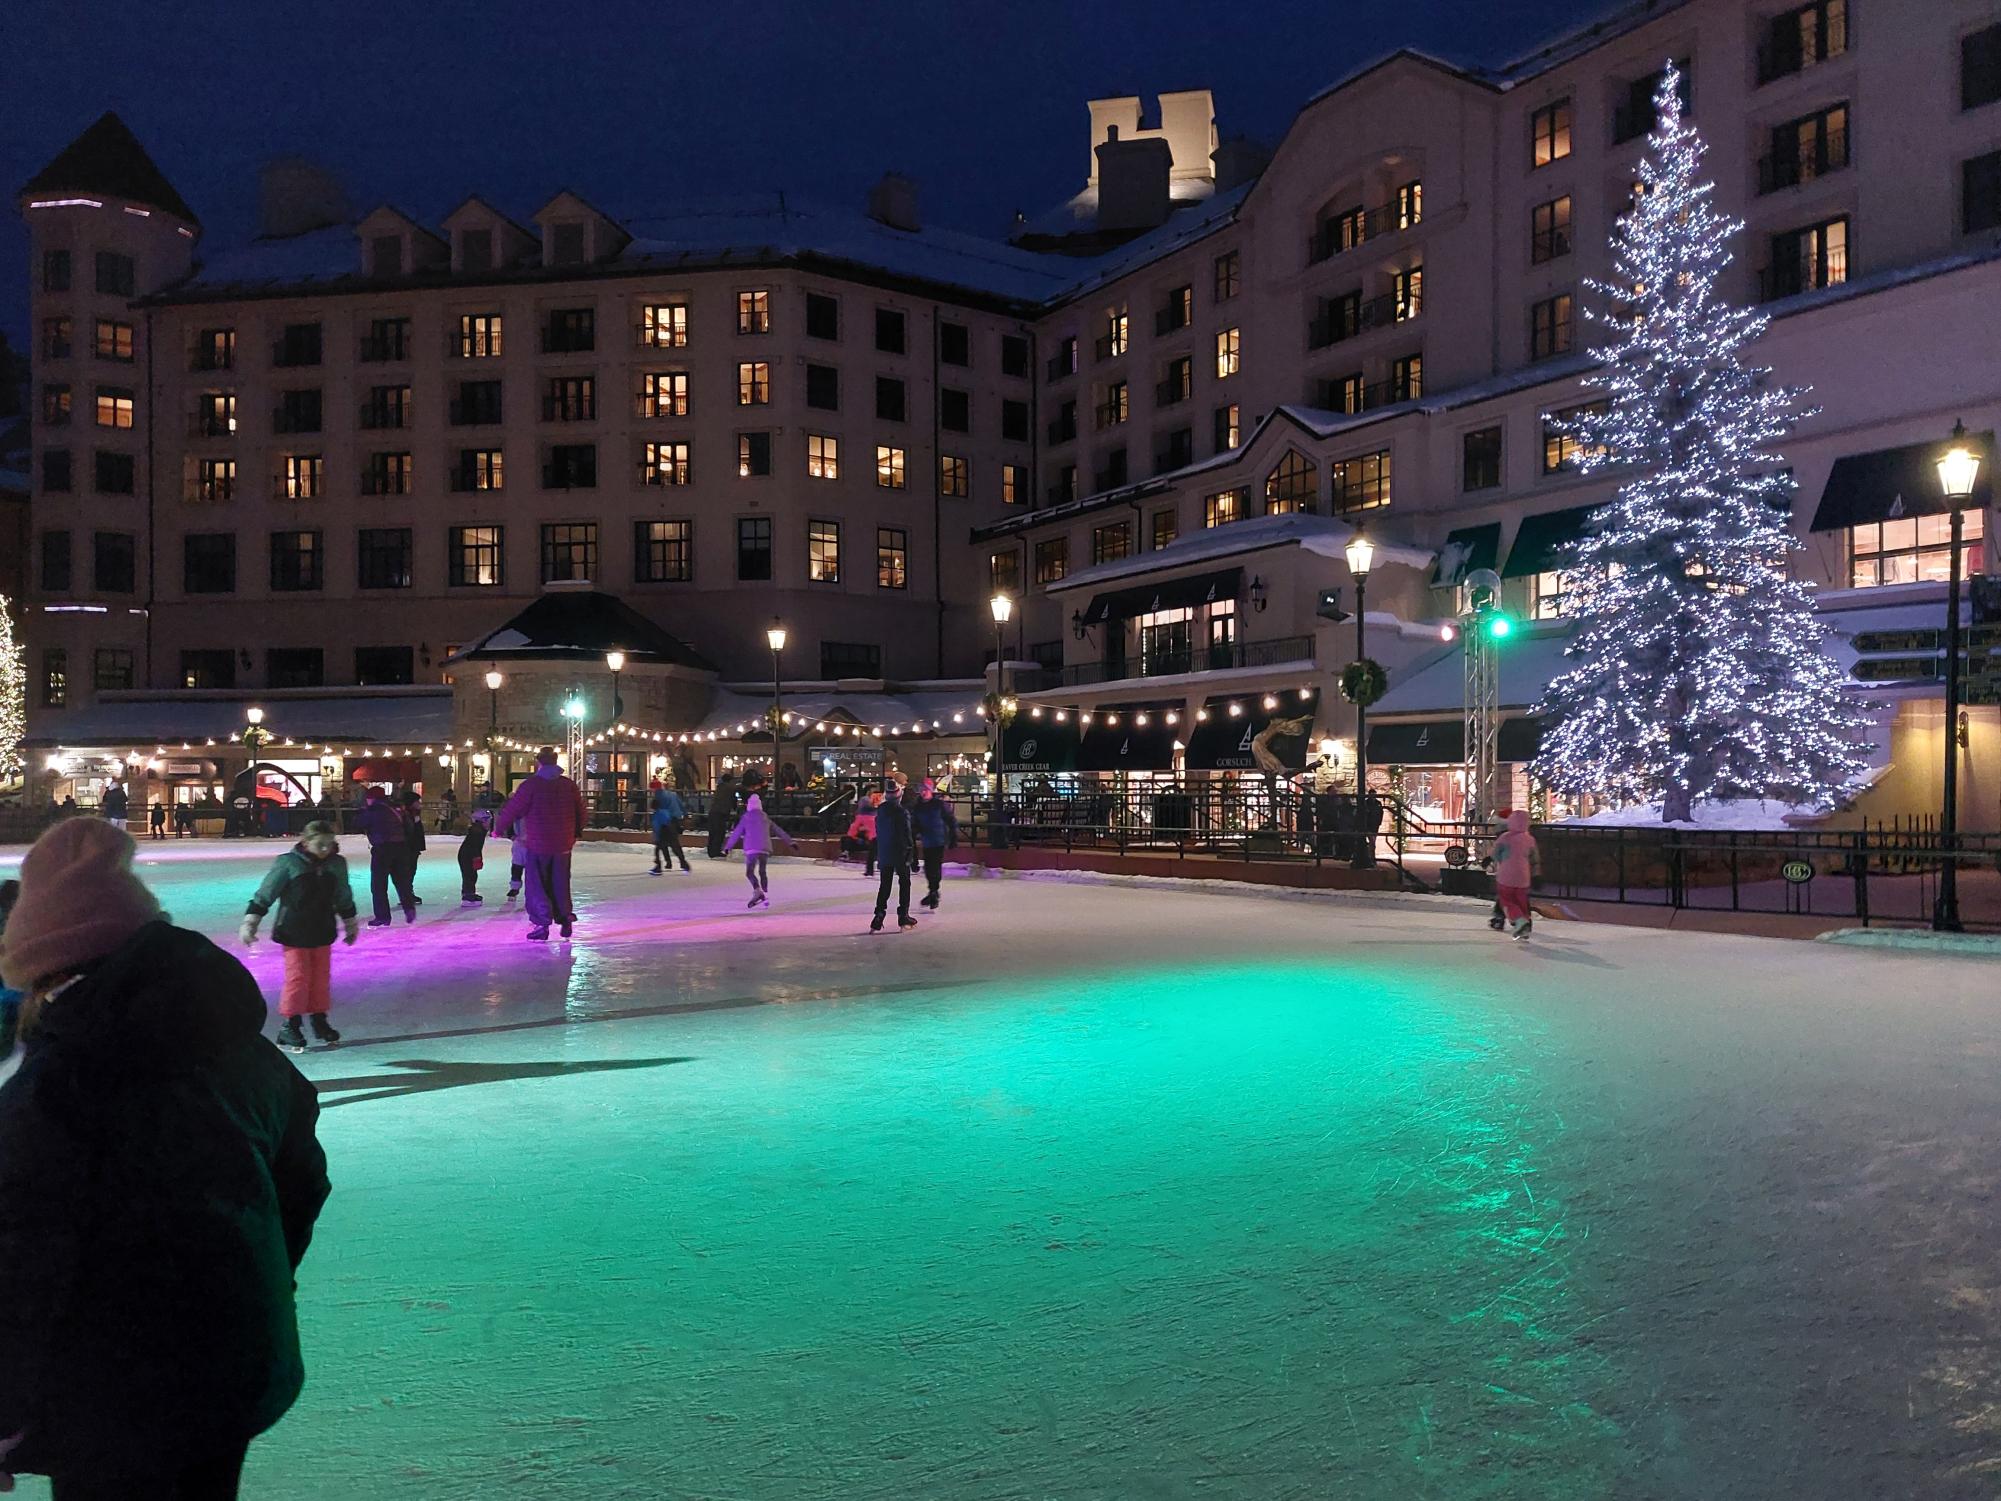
<point>390,212</point>
<point>108,159</point>
<point>477,209</point>
<point>581,625</point>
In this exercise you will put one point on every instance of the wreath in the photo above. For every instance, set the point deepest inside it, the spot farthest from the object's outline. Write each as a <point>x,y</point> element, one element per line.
<point>998,709</point>
<point>1364,682</point>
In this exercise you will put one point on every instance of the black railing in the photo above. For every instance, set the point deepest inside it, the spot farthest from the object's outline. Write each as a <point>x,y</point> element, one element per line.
<point>1350,397</point>
<point>213,359</point>
<point>475,413</point>
<point>1171,319</point>
<point>378,418</point>
<point>1111,476</point>
<point>567,340</point>
<point>1176,389</point>
<point>384,482</point>
<point>1351,230</point>
<point>381,348</point>
<point>569,477</point>
<point>1111,413</point>
<point>465,478</point>
<point>284,420</point>
<point>287,356</point>
<point>1350,318</point>
<point>1179,452</point>
<point>211,425</point>
<point>1109,345</point>
<point>1063,429</point>
<point>569,409</point>
<point>1223,656</point>
<point>1790,277</point>
<point>1790,167</point>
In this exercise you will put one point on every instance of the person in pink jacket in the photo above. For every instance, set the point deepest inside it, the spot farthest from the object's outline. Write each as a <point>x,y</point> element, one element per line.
<point>755,832</point>
<point>547,812</point>
<point>1514,857</point>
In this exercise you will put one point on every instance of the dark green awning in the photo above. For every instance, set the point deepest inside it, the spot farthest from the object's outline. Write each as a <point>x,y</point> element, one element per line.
<point>1540,540</point>
<point>1442,742</point>
<point>1891,483</point>
<point>1029,744</point>
<point>1164,594</point>
<point>1465,549</point>
<point>1126,746</point>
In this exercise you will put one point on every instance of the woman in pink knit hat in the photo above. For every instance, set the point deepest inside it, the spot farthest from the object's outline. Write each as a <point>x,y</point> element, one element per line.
<point>159,1180</point>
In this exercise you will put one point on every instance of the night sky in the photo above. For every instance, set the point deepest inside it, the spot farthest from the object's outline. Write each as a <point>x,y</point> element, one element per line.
<point>638,106</point>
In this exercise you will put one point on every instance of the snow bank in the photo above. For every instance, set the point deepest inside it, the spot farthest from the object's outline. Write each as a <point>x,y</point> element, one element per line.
<point>1737,814</point>
<point>1918,941</point>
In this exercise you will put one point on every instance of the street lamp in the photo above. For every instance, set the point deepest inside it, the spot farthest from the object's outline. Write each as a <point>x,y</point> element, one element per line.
<point>1003,612</point>
<point>1361,558</point>
<point>615,660</point>
<point>493,682</point>
<point>774,637</point>
<point>1958,468</point>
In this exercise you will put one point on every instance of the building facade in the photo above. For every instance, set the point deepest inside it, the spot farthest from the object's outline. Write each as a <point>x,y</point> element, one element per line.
<point>1154,418</point>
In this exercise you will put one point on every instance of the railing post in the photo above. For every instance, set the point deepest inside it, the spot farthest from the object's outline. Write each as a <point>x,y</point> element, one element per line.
<point>1862,875</point>
<point>1619,845</point>
<point>1733,874</point>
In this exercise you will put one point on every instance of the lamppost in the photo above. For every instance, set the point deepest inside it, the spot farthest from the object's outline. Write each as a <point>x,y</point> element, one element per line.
<point>774,637</point>
<point>1003,611</point>
<point>255,736</point>
<point>1361,558</point>
<point>1958,468</point>
<point>615,660</point>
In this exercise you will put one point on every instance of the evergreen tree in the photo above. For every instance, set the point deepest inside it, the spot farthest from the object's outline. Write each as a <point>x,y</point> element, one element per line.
<point>1696,670</point>
<point>13,696</point>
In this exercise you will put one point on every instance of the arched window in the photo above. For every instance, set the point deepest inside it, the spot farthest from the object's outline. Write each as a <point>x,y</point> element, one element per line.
<point>1293,485</point>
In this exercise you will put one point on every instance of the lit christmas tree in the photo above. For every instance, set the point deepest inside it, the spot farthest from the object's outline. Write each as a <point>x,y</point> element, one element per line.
<point>13,696</point>
<point>1696,670</point>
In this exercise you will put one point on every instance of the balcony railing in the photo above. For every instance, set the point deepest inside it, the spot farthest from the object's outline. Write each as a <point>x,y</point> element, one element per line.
<point>1170,319</point>
<point>212,492</point>
<point>379,349</point>
<point>1789,278</point>
<point>560,409</point>
<point>287,355</point>
<point>1111,476</point>
<point>1349,232</point>
<point>382,418</point>
<point>664,474</point>
<point>1111,413</point>
<point>1063,429</point>
<point>1061,366</point>
<point>1342,396</point>
<point>1178,454</point>
<point>211,425</point>
<point>213,359</point>
<point>1224,657</point>
<point>1061,494</point>
<point>384,482</point>
<point>1171,391</point>
<point>1788,169</point>
<point>1348,319</point>
<point>464,479</point>
<point>569,340</point>
<point>569,477</point>
<point>1110,346</point>
<point>286,421</point>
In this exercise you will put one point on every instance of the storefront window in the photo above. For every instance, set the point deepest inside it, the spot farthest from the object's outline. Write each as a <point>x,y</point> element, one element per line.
<point>1165,638</point>
<point>1915,549</point>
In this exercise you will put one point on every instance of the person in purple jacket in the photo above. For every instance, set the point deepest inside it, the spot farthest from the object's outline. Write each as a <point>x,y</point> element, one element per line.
<point>547,812</point>
<point>755,831</point>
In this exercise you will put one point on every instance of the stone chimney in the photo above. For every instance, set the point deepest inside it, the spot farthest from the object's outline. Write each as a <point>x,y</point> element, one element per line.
<point>893,201</point>
<point>1132,182</point>
<point>1188,121</point>
<point>1239,160</point>
<point>297,196</point>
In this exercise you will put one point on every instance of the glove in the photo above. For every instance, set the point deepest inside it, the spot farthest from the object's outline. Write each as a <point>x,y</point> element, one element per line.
<point>248,932</point>
<point>352,927</point>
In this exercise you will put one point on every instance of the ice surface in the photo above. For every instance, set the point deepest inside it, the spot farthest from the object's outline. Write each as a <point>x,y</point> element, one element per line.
<point>1128,1191</point>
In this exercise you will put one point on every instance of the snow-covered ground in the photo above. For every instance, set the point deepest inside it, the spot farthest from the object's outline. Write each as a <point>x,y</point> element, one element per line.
<point>1106,1192</point>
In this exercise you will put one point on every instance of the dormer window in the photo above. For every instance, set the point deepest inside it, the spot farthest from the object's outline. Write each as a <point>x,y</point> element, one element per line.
<point>476,250</point>
<point>385,255</point>
<point>566,245</point>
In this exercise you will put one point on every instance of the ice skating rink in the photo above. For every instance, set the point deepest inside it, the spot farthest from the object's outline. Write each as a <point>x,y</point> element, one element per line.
<point>1085,1191</point>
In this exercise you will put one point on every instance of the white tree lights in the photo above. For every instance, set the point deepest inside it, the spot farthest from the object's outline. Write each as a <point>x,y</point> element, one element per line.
<point>13,696</point>
<point>1696,669</point>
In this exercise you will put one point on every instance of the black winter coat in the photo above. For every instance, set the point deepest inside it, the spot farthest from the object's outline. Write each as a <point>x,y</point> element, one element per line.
<point>159,1180</point>
<point>382,822</point>
<point>312,896</point>
<point>894,834</point>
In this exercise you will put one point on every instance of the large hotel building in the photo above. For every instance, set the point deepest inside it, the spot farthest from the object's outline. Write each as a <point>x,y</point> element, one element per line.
<point>312,468</point>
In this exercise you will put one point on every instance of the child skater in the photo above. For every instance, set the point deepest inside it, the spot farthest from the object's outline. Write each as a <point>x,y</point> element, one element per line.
<point>309,885</point>
<point>472,855</point>
<point>517,857</point>
<point>1514,868</point>
<point>754,831</point>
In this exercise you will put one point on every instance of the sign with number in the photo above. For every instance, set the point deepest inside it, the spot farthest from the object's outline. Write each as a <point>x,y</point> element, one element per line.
<point>1797,872</point>
<point>1455,855</point>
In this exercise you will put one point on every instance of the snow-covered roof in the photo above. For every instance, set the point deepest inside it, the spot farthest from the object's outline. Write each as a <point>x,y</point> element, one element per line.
<point>409,716</point>
<point>1325,535</point>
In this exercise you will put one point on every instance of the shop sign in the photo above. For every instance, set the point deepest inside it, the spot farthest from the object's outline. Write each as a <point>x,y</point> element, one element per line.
<point>1456,855</point>
<point>1797,872</point>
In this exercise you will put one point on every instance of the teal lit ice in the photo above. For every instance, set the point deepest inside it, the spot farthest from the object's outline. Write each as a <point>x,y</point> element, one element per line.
<point>1095,1192</point>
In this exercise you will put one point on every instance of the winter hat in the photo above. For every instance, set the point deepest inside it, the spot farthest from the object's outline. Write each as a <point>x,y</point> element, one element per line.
<point>546,756</point>
<point>79,901</point>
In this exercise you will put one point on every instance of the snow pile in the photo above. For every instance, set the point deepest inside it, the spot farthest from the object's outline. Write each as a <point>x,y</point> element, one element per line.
<point>1723,814</point>
<point>1918,941</point>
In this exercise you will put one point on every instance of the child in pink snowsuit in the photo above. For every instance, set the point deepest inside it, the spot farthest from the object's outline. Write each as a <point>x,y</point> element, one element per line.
<point>1514,857</point>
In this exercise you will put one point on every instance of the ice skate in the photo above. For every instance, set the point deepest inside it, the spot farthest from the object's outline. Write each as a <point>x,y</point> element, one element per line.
<point>1520,929</point>
<point>291,1036</point>
<point>755,898</point>
<point>323,1030</point>
<point>906,922</point>
<point>569,926</point>
<point>378,922</point>
<point>540,935</point>
<point>513,893</point>
<point>473,900</point>
<point>875,926</point>
<point>409,914</point>
<point>656,870</point>
<point>1497,923</point>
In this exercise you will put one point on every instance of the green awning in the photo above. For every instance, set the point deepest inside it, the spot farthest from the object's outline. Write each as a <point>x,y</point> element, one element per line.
<point>1467,548</point>
<point>1164,594</point>
<point>1892,483</point>
<point>1540,540</point>
<point>1029,744</point>
<point>1127,745</point>
<point>1442,742</point>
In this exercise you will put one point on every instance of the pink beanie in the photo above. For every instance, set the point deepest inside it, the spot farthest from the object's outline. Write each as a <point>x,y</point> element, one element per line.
<point>79,901</point>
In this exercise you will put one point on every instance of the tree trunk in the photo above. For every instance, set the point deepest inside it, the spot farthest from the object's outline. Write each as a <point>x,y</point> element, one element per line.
<point>1676,805</point>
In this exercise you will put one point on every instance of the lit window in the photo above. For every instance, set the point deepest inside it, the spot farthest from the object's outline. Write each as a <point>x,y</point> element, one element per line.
<point>114,340</point>
<point>1550,327</point>
<point>479,336</point>
<point>1111,543</point>
<point>1228,353</point>
<point>475,557</point>
<point>753,312</point>
<point>1052,560</point>
<point>1409,293</point>
<point>1549,134</point>
<point>1004,572</point>
<point>663,393</point>
<point>1562,448</point>
<point>823,552</point>
<point>663,552</point>
<point>823,456</point>
<point>1166,527</point>
<point>1546,596</point>
<point>753,384</point>
<point>114,407</point>
<point>1229,274</point>
<point>1914,549</point>
<point>1549,230</point>
<point>665,326</point>
<point>892,558</point>
<point>667,464</point>
<point>1292,485</point>
<point>1361,483</point>
<point>889,467</point>
<point>1228,427</point>
<point>1014,484</point>
<point>954,476</point>
<point>1222,508</point>
<point>304,476</point>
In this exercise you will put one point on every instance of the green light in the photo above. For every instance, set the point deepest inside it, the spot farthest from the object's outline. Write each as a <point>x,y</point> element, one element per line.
<point>574,709</point>
<point>1498,627</point>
